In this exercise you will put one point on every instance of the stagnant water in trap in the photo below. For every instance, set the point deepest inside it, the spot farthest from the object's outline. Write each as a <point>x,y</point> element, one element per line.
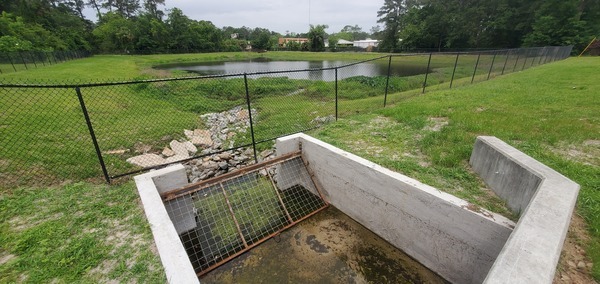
<point>329,247</point>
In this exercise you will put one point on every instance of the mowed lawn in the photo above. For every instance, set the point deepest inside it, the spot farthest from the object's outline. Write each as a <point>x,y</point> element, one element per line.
<point>84,231</point>
<point>550,112</point>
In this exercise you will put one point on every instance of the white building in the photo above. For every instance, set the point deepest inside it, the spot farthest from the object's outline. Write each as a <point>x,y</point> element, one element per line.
<point>366,43</point>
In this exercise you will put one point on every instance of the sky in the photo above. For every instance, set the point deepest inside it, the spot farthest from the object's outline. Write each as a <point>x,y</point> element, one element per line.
<point>279,15</point>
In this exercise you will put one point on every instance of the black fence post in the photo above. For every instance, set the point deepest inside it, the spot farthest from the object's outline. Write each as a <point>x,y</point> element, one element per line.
<point>92,134</point>
<point>39,56</point>
<point>387,81</point>
<point>476,65</point>
<point>32,58</point>
<point>250,117</point>
<point>525,62</point>
<point>492,66</point>
<point>533,60</point>
<point>50,57</point>
<point>11,62</point>
<point>549,55</point>
<point>544,52</point>
<point>23,60</point>
<point>336,94</point>
<point>517,61</point>
<point>559,52</point>
<point>505,61</point>
<point>454,70</point>
<point>426,73</point>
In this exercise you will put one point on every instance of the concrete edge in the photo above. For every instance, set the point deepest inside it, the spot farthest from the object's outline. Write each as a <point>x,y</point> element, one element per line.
<point>533,250</point>
<point>177,265</point>
<point>476,238</point>
<point>489,215</point>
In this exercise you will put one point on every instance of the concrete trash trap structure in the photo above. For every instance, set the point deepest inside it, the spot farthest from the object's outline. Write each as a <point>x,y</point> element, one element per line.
<point>199,226</point>
<point>220,218</point>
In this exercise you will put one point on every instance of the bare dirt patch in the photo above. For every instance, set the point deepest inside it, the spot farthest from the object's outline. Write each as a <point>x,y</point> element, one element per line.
<point>6,257</point>
<point>574,265</point>
<point>587,153</point>
<point>436,123</point>
<point>381,122</point>
<point>20,223</point>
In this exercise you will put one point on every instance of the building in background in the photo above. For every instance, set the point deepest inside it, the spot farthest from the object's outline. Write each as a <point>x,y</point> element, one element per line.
<point>366,43</point>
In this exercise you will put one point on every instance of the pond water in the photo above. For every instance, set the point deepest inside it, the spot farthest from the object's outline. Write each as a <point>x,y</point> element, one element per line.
<point>370,69</point>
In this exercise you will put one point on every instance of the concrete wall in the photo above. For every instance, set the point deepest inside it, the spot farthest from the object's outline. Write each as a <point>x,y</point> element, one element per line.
<point>445,233</point>
<point>175,260</point>
<point>544,197</point>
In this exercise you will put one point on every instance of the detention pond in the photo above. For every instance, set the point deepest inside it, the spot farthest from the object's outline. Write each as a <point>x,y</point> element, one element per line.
<point>329,247</point>
<point>370,69</point>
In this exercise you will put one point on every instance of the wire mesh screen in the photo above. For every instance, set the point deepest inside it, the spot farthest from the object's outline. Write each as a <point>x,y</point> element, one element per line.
<point>220,218</point>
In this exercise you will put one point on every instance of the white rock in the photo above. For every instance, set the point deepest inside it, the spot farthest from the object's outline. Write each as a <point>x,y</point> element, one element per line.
<point>202,138</point>
<point>190,147</point>
<point>168,152</point>
<point>147,160</point>
<point>188,133</point>
<point>176,158</point>
<point>179,148</point>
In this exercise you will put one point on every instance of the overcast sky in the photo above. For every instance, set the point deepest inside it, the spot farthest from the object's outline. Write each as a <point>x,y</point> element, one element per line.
<point>280,15</point>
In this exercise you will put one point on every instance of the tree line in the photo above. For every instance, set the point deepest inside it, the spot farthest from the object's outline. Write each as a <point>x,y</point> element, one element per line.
<point>441,24</point>
<point>141,26</point>
<point>123,26</point>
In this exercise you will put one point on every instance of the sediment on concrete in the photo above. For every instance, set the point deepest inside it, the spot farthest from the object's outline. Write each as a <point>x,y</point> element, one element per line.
<point>448,235</point>
<point>544,198</point>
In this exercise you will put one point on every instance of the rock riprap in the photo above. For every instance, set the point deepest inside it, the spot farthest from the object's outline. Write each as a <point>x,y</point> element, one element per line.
<point>221,132</point>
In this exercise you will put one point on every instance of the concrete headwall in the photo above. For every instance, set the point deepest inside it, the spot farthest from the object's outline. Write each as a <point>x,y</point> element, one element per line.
<point>448,235</point>
<point>545,199</point>
<point>173,256</point>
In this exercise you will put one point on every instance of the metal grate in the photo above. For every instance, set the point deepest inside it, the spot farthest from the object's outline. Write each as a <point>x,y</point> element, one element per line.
<point>220,218</point>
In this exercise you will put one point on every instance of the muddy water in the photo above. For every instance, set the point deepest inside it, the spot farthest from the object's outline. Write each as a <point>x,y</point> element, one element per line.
<point>329,247</point>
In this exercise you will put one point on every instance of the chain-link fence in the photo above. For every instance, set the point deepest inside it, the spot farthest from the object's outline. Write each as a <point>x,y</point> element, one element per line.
<point>51,133</point>
<point>24,60</point>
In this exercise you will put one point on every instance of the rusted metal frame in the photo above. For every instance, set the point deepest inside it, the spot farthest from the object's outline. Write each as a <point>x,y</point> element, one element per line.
<point>237,225</point>
<point>279,197</point>
<point>312,178</point>
<point>172,194</point>
<point>212,267</point>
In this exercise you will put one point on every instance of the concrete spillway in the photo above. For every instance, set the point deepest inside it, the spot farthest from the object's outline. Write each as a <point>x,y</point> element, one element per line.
<point>455,239</point>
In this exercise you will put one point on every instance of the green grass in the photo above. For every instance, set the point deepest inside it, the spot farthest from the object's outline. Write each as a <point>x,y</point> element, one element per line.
<point>545,112</point>
<point>551,113</point>
<point>78,232</point>
<point>254,203</point>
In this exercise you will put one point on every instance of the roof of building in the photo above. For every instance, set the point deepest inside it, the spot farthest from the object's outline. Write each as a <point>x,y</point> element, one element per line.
<point>343,41</point>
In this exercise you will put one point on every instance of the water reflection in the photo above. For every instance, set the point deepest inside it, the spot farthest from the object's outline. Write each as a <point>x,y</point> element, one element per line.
<point>370,69</point>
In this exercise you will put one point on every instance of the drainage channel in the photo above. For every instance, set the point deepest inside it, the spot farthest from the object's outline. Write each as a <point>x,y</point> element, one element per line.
<point>221,218</point>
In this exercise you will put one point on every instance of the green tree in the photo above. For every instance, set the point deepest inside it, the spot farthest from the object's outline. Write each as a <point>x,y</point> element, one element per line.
<point>115,33</point>
<point>391,15</point>
<point>557,23</point>
<point>353,33</point>
<point>151,7</point>
<point>151,34</point>
<point>261,39</point>
<point>316,37</point>
<point>18,35</point>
